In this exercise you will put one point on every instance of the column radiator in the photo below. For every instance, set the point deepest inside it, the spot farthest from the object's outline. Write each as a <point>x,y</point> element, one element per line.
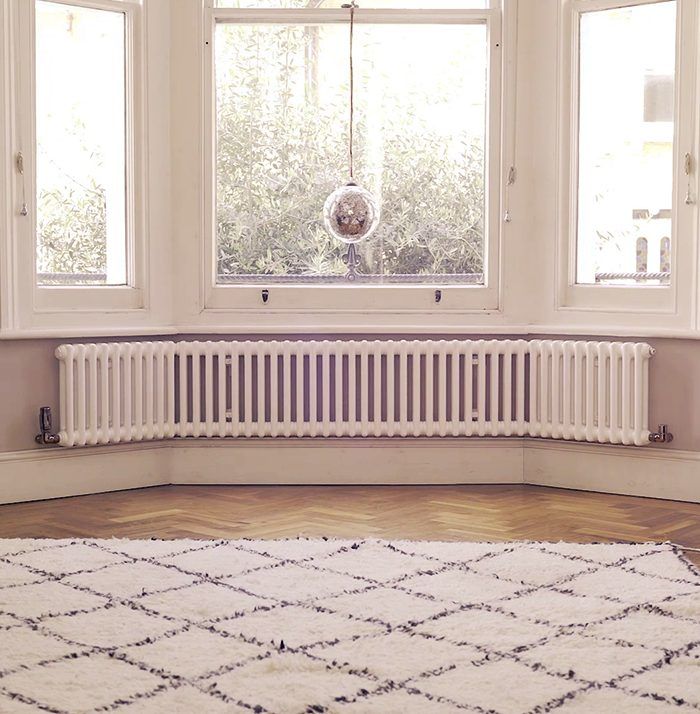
<point>137,391</point>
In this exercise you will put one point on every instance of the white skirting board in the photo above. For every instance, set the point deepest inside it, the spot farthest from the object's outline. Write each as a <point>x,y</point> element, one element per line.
<point>51,473</point>
<point>349,461</point>
<point>55,473</point>
<point>655,473</point>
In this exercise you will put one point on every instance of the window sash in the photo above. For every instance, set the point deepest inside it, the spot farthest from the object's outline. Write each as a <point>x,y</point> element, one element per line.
<point>668,299</point>
<point>364,297</point>
<point>33,298</point>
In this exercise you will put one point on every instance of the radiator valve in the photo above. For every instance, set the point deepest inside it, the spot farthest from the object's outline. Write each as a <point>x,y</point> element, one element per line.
<point>46,434</point>
<point>662,435</point>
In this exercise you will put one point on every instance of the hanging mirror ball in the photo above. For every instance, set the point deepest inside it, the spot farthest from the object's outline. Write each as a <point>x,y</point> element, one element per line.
<point>351,214</point>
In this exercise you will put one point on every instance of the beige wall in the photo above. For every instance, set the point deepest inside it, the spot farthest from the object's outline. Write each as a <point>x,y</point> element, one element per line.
<point>675,390</point>
<point>29,380</point>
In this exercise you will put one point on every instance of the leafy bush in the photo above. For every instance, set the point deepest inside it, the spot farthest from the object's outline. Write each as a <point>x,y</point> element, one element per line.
<point>71,230</point>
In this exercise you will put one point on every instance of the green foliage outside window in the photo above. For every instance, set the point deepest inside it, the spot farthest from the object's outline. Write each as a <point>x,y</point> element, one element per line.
<point>71,227</point>
<point>282,148</point>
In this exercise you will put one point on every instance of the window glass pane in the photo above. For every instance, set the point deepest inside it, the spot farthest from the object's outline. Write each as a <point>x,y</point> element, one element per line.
<point>282,147</point>
<point>625,162</point>
<point>80,134</point>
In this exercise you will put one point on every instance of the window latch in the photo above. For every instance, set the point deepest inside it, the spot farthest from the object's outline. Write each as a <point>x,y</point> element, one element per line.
<point>19,165</point>
<point>510,180</point>
<point>688,169</point>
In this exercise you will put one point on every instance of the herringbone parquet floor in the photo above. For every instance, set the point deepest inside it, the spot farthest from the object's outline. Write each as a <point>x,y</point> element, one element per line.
<point>495,513</point>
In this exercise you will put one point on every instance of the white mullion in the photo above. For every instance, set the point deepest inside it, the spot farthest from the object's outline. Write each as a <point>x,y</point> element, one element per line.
<point>131,141</point>
<point>208,271</point>
<point>9,197</point>
<point>574,120</point>
<point>493,154</point>
<point>685,226</point>
<point>25,142</point>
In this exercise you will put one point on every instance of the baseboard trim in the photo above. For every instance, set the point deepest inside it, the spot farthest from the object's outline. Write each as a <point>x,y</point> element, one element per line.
<point>627,470</point>
<point>53,473</point>
<point>348,461</point>
<point>56,473</point>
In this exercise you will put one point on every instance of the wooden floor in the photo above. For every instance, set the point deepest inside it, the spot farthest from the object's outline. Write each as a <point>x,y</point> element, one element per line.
<point>493,513</point>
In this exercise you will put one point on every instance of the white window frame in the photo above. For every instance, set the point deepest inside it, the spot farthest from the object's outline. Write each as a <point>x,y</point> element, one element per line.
<point>673,303</point>
<point>28,306</point>
<point>363,299</point>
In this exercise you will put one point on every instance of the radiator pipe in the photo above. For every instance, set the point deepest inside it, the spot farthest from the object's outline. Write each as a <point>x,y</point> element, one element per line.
<point>661,436</point>
<point>46,434</point>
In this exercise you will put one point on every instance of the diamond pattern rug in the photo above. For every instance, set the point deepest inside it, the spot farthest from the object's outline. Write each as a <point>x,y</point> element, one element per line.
<point>347,626</point>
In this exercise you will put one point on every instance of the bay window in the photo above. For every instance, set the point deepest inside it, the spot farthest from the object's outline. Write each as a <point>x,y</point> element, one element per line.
<point>166,165</point>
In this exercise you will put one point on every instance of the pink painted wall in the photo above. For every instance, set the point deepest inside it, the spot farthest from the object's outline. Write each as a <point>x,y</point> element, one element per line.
<point>29,380</point>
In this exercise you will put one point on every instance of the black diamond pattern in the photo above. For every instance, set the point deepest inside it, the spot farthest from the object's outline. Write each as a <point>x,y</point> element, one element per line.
<point>340,626</point>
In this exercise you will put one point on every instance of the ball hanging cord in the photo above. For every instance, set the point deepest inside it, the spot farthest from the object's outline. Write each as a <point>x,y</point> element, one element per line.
<point>351,213</point>
<point>352,6</point>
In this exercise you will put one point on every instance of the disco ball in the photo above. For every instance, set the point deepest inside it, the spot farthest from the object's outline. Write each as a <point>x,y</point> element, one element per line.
<point>351,214</point>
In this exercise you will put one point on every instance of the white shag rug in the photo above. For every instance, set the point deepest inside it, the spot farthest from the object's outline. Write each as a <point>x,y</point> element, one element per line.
<point>340,626</point>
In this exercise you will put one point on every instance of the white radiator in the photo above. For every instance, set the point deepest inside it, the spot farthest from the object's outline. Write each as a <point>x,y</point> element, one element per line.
<point>136,391</point>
